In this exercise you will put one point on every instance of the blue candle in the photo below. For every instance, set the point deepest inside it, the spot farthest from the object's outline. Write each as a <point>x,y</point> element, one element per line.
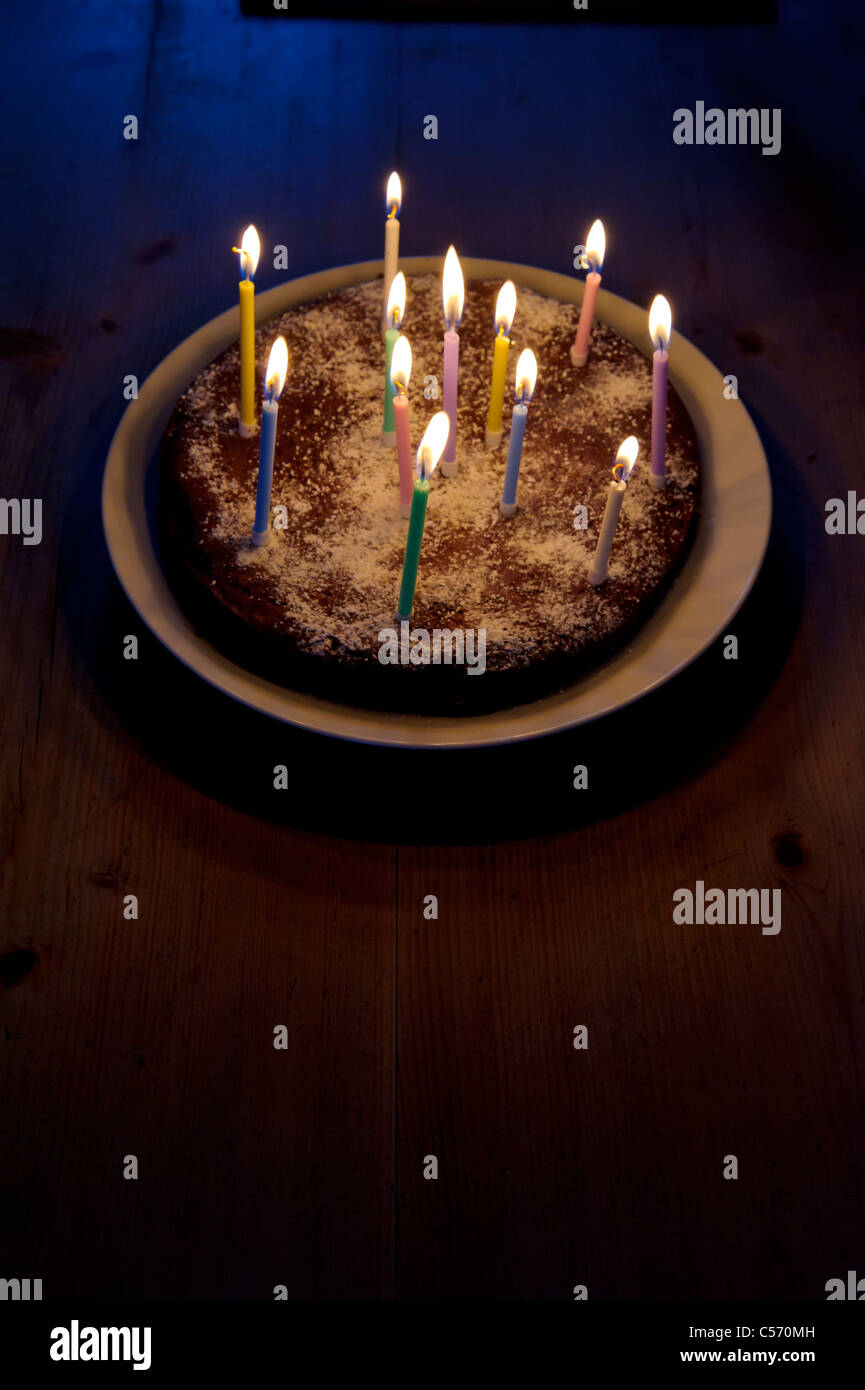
<point>515,452</point>
<point>277,369</point>
<point>527,374</point>
<point>261,529</point>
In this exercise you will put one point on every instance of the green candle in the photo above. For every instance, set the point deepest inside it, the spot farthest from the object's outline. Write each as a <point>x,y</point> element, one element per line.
<point>395,311</point>
<point>419,498</point>
<point>430,451</point>
<point>389,426</point>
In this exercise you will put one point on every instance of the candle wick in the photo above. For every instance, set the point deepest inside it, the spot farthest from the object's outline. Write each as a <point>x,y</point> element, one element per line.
<point>240,251</point>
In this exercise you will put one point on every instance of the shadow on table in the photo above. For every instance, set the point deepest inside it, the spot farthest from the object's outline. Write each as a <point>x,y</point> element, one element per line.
<point>229,752</point>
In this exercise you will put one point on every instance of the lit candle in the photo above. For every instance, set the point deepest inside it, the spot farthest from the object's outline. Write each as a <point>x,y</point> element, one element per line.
<point>622,470</point>
<point>660,331</point>
<point>428,456</point>
<point>596,245</point>
<point>277,369</point>
<point>527,375</point>
<point>400,371</point>
<point>393,202</point>
<point>395,311</point>
<point>249,251</point>
<point>453,293</point>
<point>506,307</point>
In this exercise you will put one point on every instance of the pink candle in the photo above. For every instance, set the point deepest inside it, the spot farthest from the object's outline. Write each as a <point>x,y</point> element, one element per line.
<point>580,349</point>
<point>596,243</point>
<point>453,292</point>
<point>400,371</point>
<point>403,453</point>
<point>660,330</point>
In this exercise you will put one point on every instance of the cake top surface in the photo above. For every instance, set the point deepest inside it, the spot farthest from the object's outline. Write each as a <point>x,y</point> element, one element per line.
<point>330,580</point>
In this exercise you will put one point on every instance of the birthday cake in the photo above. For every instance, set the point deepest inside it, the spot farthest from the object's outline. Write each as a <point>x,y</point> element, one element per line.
<point>504,611</point>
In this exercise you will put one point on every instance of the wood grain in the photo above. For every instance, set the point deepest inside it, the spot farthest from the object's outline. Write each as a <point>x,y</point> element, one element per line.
<point>409,1037</point>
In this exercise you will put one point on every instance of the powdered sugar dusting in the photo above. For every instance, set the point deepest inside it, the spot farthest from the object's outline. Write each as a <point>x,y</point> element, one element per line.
<point>330,581</point>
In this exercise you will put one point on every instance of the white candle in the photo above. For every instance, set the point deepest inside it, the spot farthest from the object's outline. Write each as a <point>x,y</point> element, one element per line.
<point>622,470</point>
<point>393,201</point>
<point>660,331</point>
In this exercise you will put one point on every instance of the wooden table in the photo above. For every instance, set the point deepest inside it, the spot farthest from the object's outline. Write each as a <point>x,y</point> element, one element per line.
<point>409,1037</point>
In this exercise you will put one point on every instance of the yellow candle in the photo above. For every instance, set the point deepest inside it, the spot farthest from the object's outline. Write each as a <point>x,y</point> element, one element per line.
<point>497,395</point>
<point>506,306</point>
<point>249,251</point>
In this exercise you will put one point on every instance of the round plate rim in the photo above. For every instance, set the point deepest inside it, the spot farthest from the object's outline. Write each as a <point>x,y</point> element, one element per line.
<point>728,549</point>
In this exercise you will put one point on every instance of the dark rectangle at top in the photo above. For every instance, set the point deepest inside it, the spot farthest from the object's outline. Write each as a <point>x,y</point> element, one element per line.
<point>527,12</point>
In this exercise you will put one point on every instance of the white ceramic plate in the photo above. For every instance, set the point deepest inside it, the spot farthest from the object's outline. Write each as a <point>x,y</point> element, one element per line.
<point>732,535</point>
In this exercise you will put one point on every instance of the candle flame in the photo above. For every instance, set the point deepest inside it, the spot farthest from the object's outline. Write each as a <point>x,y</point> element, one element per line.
<point>453,289</point>
<point>400,364</point>
<point>506,307</point>
<point>660,322</point>
<point>596,246</point>
<point>393,196</point>
<point>432,445</point>
<point>396,301</point>
<point>277,370</point>
<point>249,251</point>
<point>625,459</point>
<point>527,374</point>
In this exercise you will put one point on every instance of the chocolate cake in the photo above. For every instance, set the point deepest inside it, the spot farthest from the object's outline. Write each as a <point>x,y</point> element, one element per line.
<point>309,610</point>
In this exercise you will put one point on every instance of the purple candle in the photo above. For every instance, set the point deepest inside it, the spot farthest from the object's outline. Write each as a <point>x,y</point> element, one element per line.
<point>453,293</point>
<point>660,330</point>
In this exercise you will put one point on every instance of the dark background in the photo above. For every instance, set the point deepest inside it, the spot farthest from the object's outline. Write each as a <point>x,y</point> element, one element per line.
<point>257,908</point>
